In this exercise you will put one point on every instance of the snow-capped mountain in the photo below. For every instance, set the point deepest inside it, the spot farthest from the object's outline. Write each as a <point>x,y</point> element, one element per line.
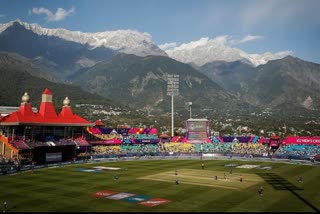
<point>208,50</point>
<point>199,52</point>
<point>125,41</point>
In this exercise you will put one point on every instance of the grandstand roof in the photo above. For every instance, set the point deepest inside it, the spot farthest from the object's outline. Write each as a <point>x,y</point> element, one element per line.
<point>164,136</point>
<point>46,116</point>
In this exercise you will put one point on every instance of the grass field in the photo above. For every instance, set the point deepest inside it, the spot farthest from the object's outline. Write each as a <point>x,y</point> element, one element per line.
<point>67,189</point>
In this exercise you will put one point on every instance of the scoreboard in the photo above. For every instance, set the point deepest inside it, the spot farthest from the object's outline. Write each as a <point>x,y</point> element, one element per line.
<point>197,130</point>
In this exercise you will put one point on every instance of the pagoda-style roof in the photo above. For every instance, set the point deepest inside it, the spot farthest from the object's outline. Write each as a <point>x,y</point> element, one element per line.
<point>98,123</point>
<point>46,116</point>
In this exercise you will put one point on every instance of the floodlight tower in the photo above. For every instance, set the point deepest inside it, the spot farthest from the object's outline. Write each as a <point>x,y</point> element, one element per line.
<point>190,104</point>
<point>172,90</point>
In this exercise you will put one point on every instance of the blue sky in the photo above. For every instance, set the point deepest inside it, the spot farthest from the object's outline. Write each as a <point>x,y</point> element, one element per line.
<point>267,25</point>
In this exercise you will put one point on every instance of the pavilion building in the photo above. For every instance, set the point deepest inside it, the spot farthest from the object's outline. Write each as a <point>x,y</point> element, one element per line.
<point>43,136</point>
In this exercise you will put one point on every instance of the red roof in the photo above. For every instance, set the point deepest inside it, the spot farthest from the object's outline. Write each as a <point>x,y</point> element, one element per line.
<point>47,110</point>
<point>66,116</point>
<point>47,91</point>
<point>99,123</point>
<point>45,116</point>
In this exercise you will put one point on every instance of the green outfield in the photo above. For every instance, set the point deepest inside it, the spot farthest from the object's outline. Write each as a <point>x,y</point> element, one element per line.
<point>149,186</point>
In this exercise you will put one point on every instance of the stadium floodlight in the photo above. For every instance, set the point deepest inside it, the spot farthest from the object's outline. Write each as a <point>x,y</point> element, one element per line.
<point>172,90</point>
<point>190,104</point>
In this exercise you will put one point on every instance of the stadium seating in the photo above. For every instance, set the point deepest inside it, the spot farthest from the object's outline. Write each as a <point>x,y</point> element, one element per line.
<point>20,144</point>
<point>297,150</point>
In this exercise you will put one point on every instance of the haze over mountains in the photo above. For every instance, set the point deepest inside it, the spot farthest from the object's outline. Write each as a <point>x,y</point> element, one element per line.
<point>127,67</point>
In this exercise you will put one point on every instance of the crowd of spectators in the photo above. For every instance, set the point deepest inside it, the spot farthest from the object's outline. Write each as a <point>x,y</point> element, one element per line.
<point>127,145</point>
<point>108,136</point>
<point>176,147</point>
<point>252,149</point>
<point>255,149</point>
<point>298,150</point>
<point>101,150</point>
<point>187,148</point>
<point>9,163</point>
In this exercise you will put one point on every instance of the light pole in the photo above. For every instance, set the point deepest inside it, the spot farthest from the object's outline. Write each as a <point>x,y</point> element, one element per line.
<point>172,90</point>
<point>190,104</point>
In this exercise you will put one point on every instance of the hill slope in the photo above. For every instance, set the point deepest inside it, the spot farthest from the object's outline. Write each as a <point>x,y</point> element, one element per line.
<point>65,57</point>
<point>18,78</point>
<point>141,82</point>
<point>285,83</point>
<point>229,75</point>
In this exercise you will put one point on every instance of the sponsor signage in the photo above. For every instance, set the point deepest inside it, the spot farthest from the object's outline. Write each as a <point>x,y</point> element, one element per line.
<point>130,197</point>
<point>120,195</point>
<point>112,141</point>
<point>265,167</point>
<point>231,165</point>
<point>52,157</point>
<point>197,135</point>
<point>197,126</point>
<point>146,140</point>
<point>154,202</point>
<point>247,166</point>
<point>106,168</point>
<point>88,170</point>
<point>136,199</point>
<point>103,193</point>
<point>302,140</point>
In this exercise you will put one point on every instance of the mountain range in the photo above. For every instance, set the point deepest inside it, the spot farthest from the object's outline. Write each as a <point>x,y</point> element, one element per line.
<point>127,67</point>
<point>199,52</point>
<point>287,83</point>
<point>125,41</point>
<point>207,50</point>
<point>141,82</point>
